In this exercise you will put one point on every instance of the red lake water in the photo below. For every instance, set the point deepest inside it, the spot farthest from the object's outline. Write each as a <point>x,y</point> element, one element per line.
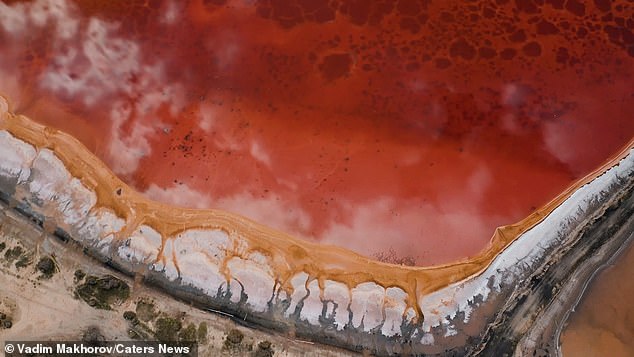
<point>403,130</point>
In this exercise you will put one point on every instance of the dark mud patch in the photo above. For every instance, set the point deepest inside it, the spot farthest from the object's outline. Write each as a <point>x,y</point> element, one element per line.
<point>93,334</point>
<point>265,349</point>
<point>18,255</point>
<point>137,329</point>
<point>188,334</point>
<point>234,338</point>
<point>130,316</point>
<point>103,292</point>
<point>47,267</point>
<point>201,335</point>
<point>167,329</point>
<point>79,275</point>
<point>5,321</point>
<point>146,311</point>
<point>235,345</point>
<point>13,253</point>
<point>24,261</point>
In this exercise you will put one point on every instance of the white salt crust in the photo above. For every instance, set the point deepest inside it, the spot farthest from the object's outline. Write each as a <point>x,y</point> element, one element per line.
<point>313,306</point>
<point>339,294</point>
<point>367,305</point>
<point>48,177</point>
<point>257,284</point>
<point>298,282</point>
<point>17,157</point>
<point>143,246</point>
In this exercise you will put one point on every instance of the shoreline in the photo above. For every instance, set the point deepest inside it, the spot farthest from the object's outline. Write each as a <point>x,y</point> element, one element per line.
<point>234,265</point>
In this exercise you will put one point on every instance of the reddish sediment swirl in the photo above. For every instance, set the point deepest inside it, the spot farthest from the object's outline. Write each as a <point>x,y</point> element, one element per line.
<point>284,257</point>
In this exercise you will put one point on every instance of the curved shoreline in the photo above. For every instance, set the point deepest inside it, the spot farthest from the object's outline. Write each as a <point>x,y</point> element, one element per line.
<point>241,266</point>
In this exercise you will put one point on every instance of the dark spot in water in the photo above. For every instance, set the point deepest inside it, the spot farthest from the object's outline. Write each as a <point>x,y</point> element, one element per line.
<point>462,48</point>
<point>557,4</point>
<point>508,53</point>
<point>603,5</point>
<point>409,7</point>
<point>562,55</point>
<point>487,52</point>
<point>335,66</point>
<point>527,6</point>
<point>532,49</point>
<point>442,63</point>
<point>547,28</point>
<point>582,32</point>
<point>576,7</point>
<point>410,24</point>
<point>613,32</point>
<point>518,36</point>
<point>412,66</point>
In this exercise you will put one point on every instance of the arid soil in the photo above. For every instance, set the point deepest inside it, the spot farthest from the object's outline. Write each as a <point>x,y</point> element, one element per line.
<point>35,304</point>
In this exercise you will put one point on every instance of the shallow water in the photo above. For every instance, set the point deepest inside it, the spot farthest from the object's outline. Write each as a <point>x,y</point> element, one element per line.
<point>604,320</point>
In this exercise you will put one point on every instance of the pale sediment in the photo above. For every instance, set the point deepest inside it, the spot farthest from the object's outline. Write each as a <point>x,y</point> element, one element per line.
<point>225,262</point>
